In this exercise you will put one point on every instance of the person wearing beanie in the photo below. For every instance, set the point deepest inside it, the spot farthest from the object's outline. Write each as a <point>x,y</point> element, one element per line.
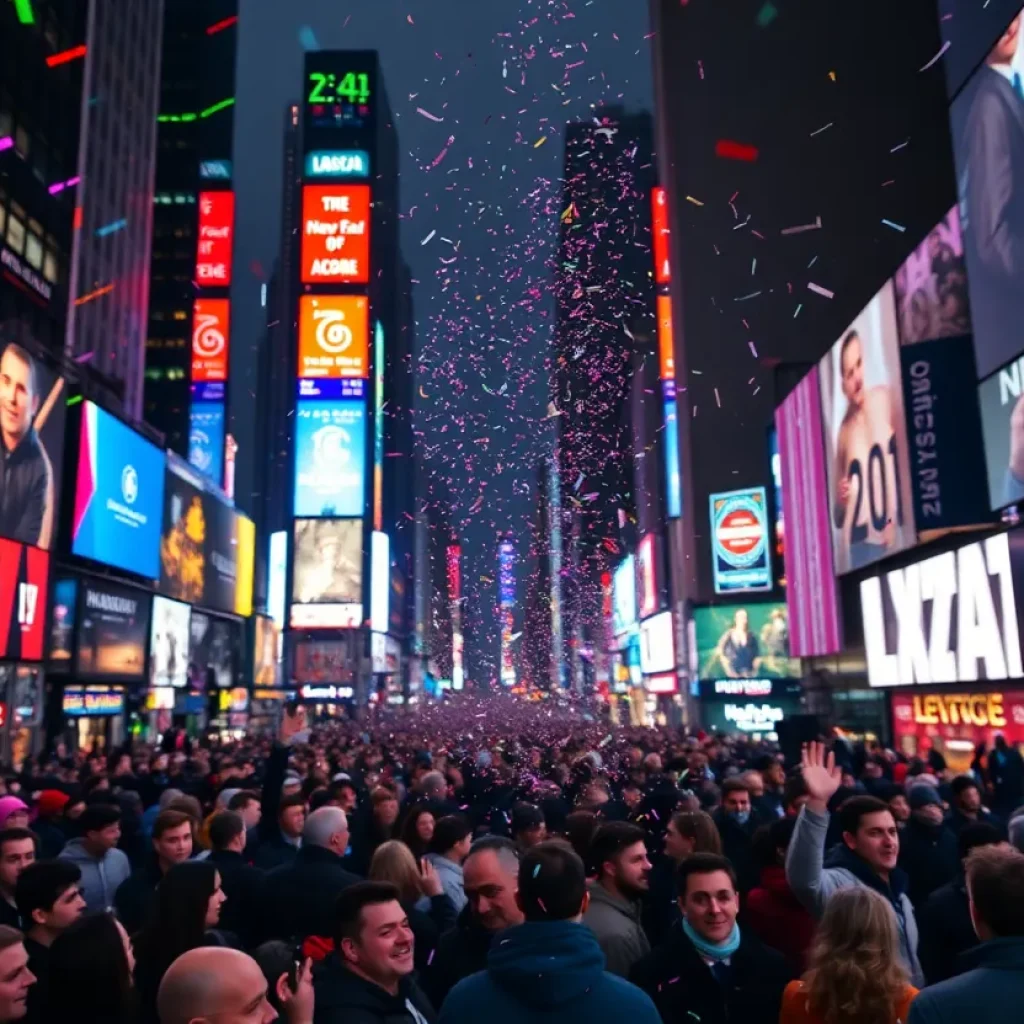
<point>47,826</point>
<point>13,812</point>
<point>928,850</point>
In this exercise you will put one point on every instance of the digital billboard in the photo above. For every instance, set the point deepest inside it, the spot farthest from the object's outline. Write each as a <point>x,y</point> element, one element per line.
<point>333,336</point>
<point>211,337</point>
<point>266,668</point>
<point>330,662</point>
<point>866,452</point>
<point>648,575</point>
<point>327,574</point>
<point>24,574</point>
<point>330,458</point>
<point>245,563</point>
<point>32,440</point>
<point>657,644</point>
<point>624,597</point>
<point>744,641</point>
<point>335,234</point>
<point>666,354</point>
<point>673,475</point>
<point>780,515</point>
<point>277,575</point>
<point>169,643</point>
<point>740,547</point>
<point>969,29</point>
<point>62,623</point>
<point>660,239</point>
<point>216,232</point>
<point>113,631</point>
<point>380,580</point>
<point>213,652</point>
<point>119,493</point>
<point>206,439</point>
<point>328,164</point>
<point>1001,400</point>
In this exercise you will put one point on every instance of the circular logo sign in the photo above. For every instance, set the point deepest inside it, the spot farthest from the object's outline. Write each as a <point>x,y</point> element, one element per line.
<point>207,337</point>
<point>129,484</point>
<point>739,531</point>
<point>333,335</point>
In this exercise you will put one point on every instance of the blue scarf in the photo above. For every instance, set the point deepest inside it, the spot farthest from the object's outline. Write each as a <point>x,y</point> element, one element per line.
<point>709,952</point>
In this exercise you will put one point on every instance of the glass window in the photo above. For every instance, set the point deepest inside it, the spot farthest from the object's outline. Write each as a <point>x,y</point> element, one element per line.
<point>50,267</point>
<point>16,234</point>
<point>34,251</point>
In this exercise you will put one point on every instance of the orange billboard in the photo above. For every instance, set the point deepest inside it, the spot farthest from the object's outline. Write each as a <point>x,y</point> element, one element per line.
<point>335,234</point>
<point>210,338</point>
<point>333,336</point>
<point>659,228</point>
<point>665,352</point>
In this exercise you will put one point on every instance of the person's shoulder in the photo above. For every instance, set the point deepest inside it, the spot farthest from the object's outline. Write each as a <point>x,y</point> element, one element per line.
<point>469,989</point>
<point>622,991</point>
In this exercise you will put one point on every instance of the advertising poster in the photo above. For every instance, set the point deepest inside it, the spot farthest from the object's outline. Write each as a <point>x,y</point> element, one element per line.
<point>740,547</point>
<point>32,433</point>
<point>169,644</point>
<point>666,353</point>
<point>206,439</point>
<point>333,336</point>
<point>744,641</point>
<point>266,669</point>
<point>24,574</point>
<point>329,662</point>
<point>866,452</point>
<point>216,234</point>
<point>94,701</point>
<point>210,339</point>
<point>62,624</point>
<point>624,604</point>
<point>245,563</point>
<point>113,631</point>
<point>660,239</point>
<point>119,495</point>
<point>327,578</point>
<point>780,516</point>
<point>330,459</point>
<point>657,644</point>
<point>1001,401</point>
<point>335,234</point>
<point>673,476</point>
<point>213,652</point>
<point>968,31</point>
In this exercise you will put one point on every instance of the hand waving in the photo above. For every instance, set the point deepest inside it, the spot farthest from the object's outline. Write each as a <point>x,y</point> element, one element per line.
<point>430,879</point>
<point>821,776</point>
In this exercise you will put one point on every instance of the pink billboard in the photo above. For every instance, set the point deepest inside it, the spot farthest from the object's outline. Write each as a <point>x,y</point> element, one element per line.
<point>811,596</point>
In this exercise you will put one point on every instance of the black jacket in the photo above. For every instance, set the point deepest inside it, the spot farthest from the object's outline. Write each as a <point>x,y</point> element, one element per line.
<point>929,856</point>
<point>344,998</point>
<point>737,845</point>
<point>300,896</point>
<point>957,821</point>
<point>460,953</point>
<point>428,926</point>
<point>136,897</point>
<point>944,924</point>
<point>51,838</point>
<point>661,908</point>
<point>244,911</point>
<point>25,475</point>
<point>684,990</point>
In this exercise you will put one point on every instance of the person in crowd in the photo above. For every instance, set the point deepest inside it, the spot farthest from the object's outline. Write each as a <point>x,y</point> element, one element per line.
<point>580,829</point>
<point>278,847</point>
<point>737,822</point>
<point>90,968</point>
<point>300,895</point>
<point>771,804</point>
<point>282,807</point>
<point>944,920</point>
<point>867,855</point>
<point>550,968</point>
<point>528,827</point>
<point>14,812</point>
<point>896,798</point>
<point>417,829</point>
<point>17,851</point>
<point>172,845</point>
<point>49,825</point>
<point>16,979</point>
<point>245,908</point>
<point>966,807</point>
<point>990,985</point>
<point>1006,772</point>
<point>709,970</point>
<point>289,982</point>
<point>491,881</point>
<point>794,795</point>
<point>772,912</point>
<point>211,985</point>
<point>381,826</point>
<point>928,851</point>
<point>247,803</point>
<point>102,865</point>
<point>449,846</point>
<point>369,979</point>
<point>619,860</point>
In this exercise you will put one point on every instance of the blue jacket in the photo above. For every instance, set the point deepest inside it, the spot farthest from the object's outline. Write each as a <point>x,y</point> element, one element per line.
<point>990,988</point>
<point>100,878</point>
<point>547,971</point>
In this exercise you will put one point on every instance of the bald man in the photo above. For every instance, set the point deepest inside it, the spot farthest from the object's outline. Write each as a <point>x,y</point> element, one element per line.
<point>214,985</point>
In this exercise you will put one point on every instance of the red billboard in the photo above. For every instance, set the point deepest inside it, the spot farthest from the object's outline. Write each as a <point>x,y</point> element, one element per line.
<point>659,229</point>
<point>335,234</point>
<point>24,572</point>
<point>211,336</point>
<point>216,233</point>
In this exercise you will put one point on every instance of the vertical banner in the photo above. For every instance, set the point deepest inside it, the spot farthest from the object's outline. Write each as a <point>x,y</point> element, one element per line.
<point>454,556</point>
<point>507,601</point>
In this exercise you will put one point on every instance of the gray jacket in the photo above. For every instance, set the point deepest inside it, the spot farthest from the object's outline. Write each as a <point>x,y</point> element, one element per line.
<point>616,926</point>
<point>813,883</point>
<point>100,878</point>
<point>450,874</point>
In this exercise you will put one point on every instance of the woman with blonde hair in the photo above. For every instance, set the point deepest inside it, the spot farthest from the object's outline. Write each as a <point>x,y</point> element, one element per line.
<point>856,974</point>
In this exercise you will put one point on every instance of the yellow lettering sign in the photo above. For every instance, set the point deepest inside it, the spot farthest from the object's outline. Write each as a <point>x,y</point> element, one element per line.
<point>978,709</point>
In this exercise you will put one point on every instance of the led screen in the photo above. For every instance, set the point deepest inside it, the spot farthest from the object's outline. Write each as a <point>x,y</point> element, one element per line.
<point>169,643</point>
<point>335,234</point>
<point>744,641</point>
<point>327,579</point>
<point>211,336</point>
<point>330,458</point>
<point>740,545</point>
<point>113,631</point>
<point>333,336</point>
<point>24,573</point>
<point>216,231</point>
<point>206,439</point>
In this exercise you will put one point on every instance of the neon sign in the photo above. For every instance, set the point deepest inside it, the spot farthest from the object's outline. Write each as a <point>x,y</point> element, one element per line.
<point>348,163</point>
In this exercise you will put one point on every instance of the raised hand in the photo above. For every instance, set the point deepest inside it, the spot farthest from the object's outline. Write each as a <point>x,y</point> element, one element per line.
<point>821,776</point>
<point>430,879</point>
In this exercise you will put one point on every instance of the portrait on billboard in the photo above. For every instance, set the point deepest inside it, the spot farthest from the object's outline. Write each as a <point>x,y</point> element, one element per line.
<point>328,571</point>
<point>266,652</point>
<point>212,652</point>
<point>24,573</point>
<point>169,643</point>
<point>31,446</point>
<point>747,641</point>
<point>867,454</point>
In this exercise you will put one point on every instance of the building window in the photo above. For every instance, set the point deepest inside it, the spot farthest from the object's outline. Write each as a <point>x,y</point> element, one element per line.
<point>16,234</point>
<point>34,251</point>
<point>50,269</point>
<point>180,314</point>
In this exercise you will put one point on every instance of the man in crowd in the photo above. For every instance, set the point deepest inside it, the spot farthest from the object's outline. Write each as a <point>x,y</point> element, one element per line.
<point>15,976</point>
<point>247,804</point>
<point>555,951</point>
<point>928,852</point>
<point>528,826</point>
<point>619,860</point>
<point>966,807</point>
<point>771,804</point>
<point>49,825</point>
<point>211,985</point>
<point>17,851</point>
<point>737,822</point>
<point>243,911</point>
<point>103,867</point>
<point>449,847</point>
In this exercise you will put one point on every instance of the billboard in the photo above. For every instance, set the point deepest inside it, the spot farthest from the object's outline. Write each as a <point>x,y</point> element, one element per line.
<point>780,515</point>
<point>32,444</point>
<point>673,476</point>
<point>380,580</point>
<point>969,29</point>
<point>113,631</point>
<point>507,573</point>
<point>206,439</point>
<point>216,232</point>
<point>812,600</point>
<point>866,451</point>
<point>657,644</point>
<point>245,563</point>
<point>329,662</point>
<point>24,574</point>
<point>327,574</point>
<point>744,641</point>
<point>277,576</point>
<point>169,643</point>
<point>330,458</point>
<point>660,239</point>
<point>333,336</point>
<point>624,597</point>
<point>266,653</point>
<point>1001,400</point>
<point>740,549</point>
<point>344,163</point>
<point>119,493</point>
<point>666,354</point>
<point>211,337</point>
<point>213,652</point>
<point>335,234</point>
<point>62,623</point>
<point>648,575</point>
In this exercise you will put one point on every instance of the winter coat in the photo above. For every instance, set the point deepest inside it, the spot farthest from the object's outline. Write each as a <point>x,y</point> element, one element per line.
<point>450,874</point>
<point>429,919</point>
<point>616,925</point>
<point>547,971</point>
<point>100,878</point>
<point>244,911</point>
<point>661,908</point>
<point>778,918</point>
<point>797,1010</point>
<point>929,856</point>
<point>345,998</point>
<point>460,952</point>
<point>136,897</point>
<point>301,895</point>
<point>738,846</point>
<point>946,930</point>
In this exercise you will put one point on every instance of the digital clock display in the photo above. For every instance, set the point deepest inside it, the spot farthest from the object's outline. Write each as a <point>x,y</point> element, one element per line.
<point>329,87</point>
<point>339,108</point>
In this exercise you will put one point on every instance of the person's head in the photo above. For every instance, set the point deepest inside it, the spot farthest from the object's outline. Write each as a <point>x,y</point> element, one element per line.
<point>100,827</point>
<point>618,855</point>
<point>580,828</point>
<point>966,794</point>
<point>328,829</point>
<point>393,862</point>
<point>995,885</point>
<point>528,826</point>
<point>851,368</point>
<point>690,832</point>
<point>17,851</point>
<point>418,828</point>
<point>899,806</point>
<point>926,805</point>
<point>708,897</point>
<point>736,799</point>
<point>15,977</point>
<point>343,793</point>
<point>277,961</point>
<point>794,795</point>
<point>291,815</point>
<point>385,806</point>
<point>490,878</point>
<point>172,838</point>
<point>433,786</point>
<point>740,619</point>
<point>977,835</point>
<point>214,985</point>
<point>869,830</point>
<point>453,836</point>
<point>372,933</point>
<point>772,841</point>
<point>90,970</point>
<point>754,783</point>
<point>773,775</point>
<point>227,832</point>
<point>1006,48</point>
<point>13,812</point>
<point>19,394</point>
<point>248,805</point>
<point>552,883</point>
<point>48,897</point>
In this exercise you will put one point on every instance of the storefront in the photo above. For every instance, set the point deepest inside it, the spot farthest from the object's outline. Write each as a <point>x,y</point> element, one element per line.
<point>94,716</point>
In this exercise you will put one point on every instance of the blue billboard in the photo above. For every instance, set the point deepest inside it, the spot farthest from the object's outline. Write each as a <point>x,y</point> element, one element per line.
<point>330,458</point>
<point>740,549</point>
<point>206,439</point>
<point>119,495</point>
<point>673,483</point>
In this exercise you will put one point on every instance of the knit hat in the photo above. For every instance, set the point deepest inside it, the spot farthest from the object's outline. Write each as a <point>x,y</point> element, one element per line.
<point>51,802</point>
<point>923,796</point>
<point>10,805</point>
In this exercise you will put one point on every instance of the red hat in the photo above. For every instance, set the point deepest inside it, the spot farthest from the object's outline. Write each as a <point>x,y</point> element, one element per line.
<point>51,801</point>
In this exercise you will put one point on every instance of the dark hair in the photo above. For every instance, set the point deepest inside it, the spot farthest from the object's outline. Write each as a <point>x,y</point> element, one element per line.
<point>552,882</point>
<point>348,908</point>
<point>847,341</point>
<point>11,835</point>
<point>225,828</point>
<point>610,840</point>
<point>338,786</point>
<point>166,820</point>
<point>995,881</point>
<point>274,959</point>
<point>853,808</point>
<point>702,864</point>
<point>448,831</point>
<point>793,789</point>
<point>700,828</point>
<point>977,834</point>
<point>88,977</point>
<point>407,831</point>
<point>580,829</point>
<point>41,884</point>
<point>961,784</point>
<point>526,817</point>
<point>242,799</point>
<point>734,785</point>
<point>769,839</point>
<point>97,817</point>
<point>292,800</point>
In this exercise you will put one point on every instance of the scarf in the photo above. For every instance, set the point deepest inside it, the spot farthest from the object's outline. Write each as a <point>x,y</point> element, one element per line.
<point>709,952</point>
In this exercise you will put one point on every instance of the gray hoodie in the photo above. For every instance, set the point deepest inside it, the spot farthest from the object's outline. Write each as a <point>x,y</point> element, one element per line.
<point>100,878</point>
<point>450,874</point>
<point>616,925</point>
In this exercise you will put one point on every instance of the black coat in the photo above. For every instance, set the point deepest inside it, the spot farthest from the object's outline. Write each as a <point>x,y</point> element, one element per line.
<point>737,845</point>
<point>929,856</point>
<point>244,911</point>
<point>51,838</point>
<point>685,991</point>
<point>300,896</point>
<point>344,998</point>
<point>274,853</point>
<point>136,897</point>
<point>462,951</point>
<point>944,924</point>
<point>428,926</point>
<point>957,821</point>
<point>661,907</point>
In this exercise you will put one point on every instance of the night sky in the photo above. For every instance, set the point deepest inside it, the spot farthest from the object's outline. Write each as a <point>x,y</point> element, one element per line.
<point>480,195</point>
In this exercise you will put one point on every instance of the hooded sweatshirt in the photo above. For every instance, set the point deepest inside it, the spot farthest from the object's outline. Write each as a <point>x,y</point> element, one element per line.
<point>345,998</point>
<point>100,877</point>
<point>616,924</point>
<point>547,971</point>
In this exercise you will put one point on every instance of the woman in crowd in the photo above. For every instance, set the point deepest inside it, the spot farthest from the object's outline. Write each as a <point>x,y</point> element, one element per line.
<point>417,830</point>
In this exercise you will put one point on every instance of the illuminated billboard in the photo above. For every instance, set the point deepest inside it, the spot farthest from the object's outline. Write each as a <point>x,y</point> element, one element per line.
<point>330,458</point>
<point>666,356</point>
<point>24,573</point>
<point>327,578</point>
<point>333,336</point>
<point>744,641</point>
<point>740,552</point>
<point>673,477</point>
<point>216,233</point>
<point>210,339</point>
<point>206,438</point>
<point>335,234</point>
<point>659,231</point>
<point>169,643</point>
<point>342,163</point>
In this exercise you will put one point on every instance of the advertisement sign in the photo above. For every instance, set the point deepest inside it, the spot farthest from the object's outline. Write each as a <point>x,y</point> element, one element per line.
<point>730,689</point>
<point>216,232</point>
<point>335,234</point>
<point>113,631</point>
<point>648,576</point>
<point>344,163</point>
<point>659,231</point>
<point>24,573</point>
<point>330,459</point>
<point>327,579</point>
<point>169,643</point>
<point>673,477</point>
<point>1001,398</point>
<point>666,354</point>
<point>211,336</point>
<point>333,336</point>
<point>747,641</point>
<point>740,553</point>
<point>245,563</point>
<point>119,494</point>
<point>951,618</point>
<point>657,644</point>
<point>62,624</point>
<point>866,452</point>
<point>968,30</point>
<point>206,438</point>
<point>31,431</point>
<point>277,575</point>
<point>780,516</point>
<point>330,662</point>
<point>92,702</point>
<point>213,652</point>
<point>748,716</point>
<point>380,581</point>
<point>624,597</point>
<point>266,668</point>
<point>507,573</point>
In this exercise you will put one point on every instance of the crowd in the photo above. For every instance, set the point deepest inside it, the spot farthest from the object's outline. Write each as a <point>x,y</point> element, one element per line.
<point>508,862</point>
